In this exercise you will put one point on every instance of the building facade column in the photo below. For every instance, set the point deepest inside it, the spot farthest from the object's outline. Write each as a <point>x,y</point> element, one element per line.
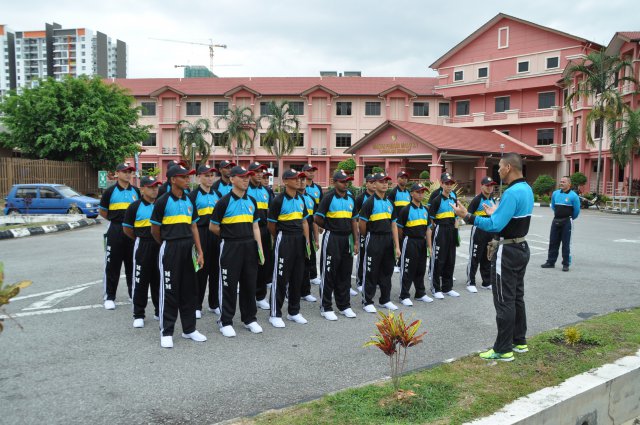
<point>434,171</point>
<point>481,172</point>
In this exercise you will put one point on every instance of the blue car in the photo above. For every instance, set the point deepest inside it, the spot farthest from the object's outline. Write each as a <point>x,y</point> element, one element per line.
<point>48,199</point>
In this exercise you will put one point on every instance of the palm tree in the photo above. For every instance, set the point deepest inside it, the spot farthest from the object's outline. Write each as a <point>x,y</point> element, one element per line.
<point>194,133</point>
<point>281,137</point>
<point>598,76</point>
<point>625,141</point>
<point>241,128</point>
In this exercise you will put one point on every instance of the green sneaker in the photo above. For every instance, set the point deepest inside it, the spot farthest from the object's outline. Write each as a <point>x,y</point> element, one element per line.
<point>492,355</point>
<point>521,348</point>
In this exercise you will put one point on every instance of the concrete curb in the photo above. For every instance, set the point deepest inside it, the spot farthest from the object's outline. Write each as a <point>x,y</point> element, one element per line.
<point>41,230</point>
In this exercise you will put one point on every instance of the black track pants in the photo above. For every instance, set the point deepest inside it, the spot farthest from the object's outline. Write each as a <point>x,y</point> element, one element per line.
<point>208,274</point>
<point>443,258</point>
<point>413,266</point>
<point>507,277</point>
<point>336,263</point>
<point>561,229</point>
<point>310,268</point>
<point>478,257</point>
<point>118,250</point>
<point>178,286</point>
<point>378,267</point>
<point>360,262</point>
<point>265,272</point>
<point>146,275</point>
<point>288,271</point>
<point>238,266</point>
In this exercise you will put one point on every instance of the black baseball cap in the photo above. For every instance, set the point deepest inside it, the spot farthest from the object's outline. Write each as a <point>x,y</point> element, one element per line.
<point>369,178</point>
<point>403,174</point>
<point>148,181</point>
<point>446,177</point>
<point>225,164</point>
<point>174,163</point>
<point>255,166</point>
<point>205,169</point>
<point>341,176</point>
<point>293,174</point>
<point>380,177</point>
<point>125,167</point>
<point>488,181</point>
<point>418,187</point>
<point>179,170</point>
<point>309,167</point>
<point>240,171</point>
<point>266,174</point>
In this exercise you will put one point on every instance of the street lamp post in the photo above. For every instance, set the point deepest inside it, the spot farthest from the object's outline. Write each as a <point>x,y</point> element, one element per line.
<point>193,159</point>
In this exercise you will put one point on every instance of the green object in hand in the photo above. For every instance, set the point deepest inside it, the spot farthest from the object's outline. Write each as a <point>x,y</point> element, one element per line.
<point>260,257</point>
<point>194,257</point>
<point>308,250</point>
<point>351,244</point>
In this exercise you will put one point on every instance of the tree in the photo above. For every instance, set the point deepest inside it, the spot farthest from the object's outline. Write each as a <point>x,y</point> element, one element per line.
<point>281,137</point>
<point>195,133</point>
<point>543,184</point>
<point>578,179</point>
<point>598,76</point>
<point>377,169</point>
<point>424,175</point>
<point>76,119</point>
<point>348,166</point>
<point>241,129</point>
<point>625,141</point>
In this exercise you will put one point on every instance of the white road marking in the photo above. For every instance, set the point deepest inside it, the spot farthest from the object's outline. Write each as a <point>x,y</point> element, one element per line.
<point>628,240</point>
<point>59,310</point>
<point>54,299</point>
<point>460,254</point>
<point>40,294</point>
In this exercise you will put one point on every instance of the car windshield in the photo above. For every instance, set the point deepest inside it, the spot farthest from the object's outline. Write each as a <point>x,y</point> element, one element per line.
<point>67,192</point>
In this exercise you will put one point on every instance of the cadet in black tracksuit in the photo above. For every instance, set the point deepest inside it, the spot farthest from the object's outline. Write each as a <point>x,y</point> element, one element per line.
<point>205,198</point>
<point>479,238</point>
<point>400,198</point>
<point>566,208</point>
<point>118,247</point>
<point>415,233</point>
<point>336,214</point>
<point>173,225</point>
<point>223,185</point>
<point>315,191</point>
<point>137,226</point>
<point>289,227</point>
<point>310,262</point>
<point>166,186</point>
<point>360,200</point>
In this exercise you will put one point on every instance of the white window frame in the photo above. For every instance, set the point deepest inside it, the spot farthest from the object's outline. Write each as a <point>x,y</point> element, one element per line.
<point>478,71</point>
<point>506,38</point>
<point>528,62</point>
<point>454,75</point>
<point>546,66</point>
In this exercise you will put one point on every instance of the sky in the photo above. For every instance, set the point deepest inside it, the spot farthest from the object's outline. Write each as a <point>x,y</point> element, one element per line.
<point>277,38</point>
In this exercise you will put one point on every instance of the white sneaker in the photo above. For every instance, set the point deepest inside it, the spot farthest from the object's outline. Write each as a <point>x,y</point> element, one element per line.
<point>454,279</point>
<point>396,269</point>
<point>472,289</point>
<point>263,304</point>
<point>426,299</point>
<point>315,281</point>
<point>254,327</point>
<point>390,306</point>
<point>277,322</point>
<point>215,311</point>
<point>348,313</point>
<point>452,293</point>
<point>195,336</point>
<point>109,305</point>
<point>138,323</point>
<point>166,341</point>
<point>406,302</point>
<point>488,288</point>
<point>438,295</point>
<point>360,288</point>
<point>198,314</point>
<point>329,315</point>
<point>228,331</point>
<point>370,308</point>
<point>353,292</point>
<point>298,318</point>
<point>156,317</point>
<point>310,298</point>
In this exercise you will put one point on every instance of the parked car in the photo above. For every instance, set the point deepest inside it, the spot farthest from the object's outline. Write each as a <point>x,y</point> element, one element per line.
<point>44,198</point>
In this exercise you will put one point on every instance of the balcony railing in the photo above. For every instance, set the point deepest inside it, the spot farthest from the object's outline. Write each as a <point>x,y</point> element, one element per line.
<point>510,117</point>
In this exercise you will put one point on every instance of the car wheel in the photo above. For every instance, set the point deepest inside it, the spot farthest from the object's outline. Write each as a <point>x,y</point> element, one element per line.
<point>13,212</point>
<point>74,210</point>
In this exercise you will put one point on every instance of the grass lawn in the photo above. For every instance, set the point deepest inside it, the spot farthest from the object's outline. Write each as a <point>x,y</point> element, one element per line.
<point>470,387</point>
<point>27,225</point>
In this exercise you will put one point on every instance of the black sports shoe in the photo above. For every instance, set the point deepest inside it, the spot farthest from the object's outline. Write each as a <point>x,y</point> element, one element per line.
<point>565,268</point>
<point>547,266</point>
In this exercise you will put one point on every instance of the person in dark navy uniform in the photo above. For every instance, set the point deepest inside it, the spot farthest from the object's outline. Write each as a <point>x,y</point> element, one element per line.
<point>166,186</point>
<point>118,247</point>
<point>479,238</point>
<point>414,230</point>
<point>223,184</point>
<point>146,275</point>
<point>205,198</point>
<point>174,226</point>
<point>314,232</point>
<point>565,204</point>
<point>314,191</point>
<point>360,200</point>
<point>400,198</point>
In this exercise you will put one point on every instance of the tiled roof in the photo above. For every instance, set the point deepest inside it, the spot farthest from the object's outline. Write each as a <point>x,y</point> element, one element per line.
<point>631,35</point>
<point>423,86</point>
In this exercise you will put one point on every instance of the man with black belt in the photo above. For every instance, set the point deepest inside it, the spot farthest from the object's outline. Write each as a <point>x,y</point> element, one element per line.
<point>223,184</point>
<point>314,238</point>
<point>479,238</point>
<point>443,255</point>
<point>205,198</point>
<point>137,226</point>
<point>235,221</point>
<point>289,227</point>
<point>400,198</point>
<point>414,230</point>
<point>380,248</point>
<point>315,191</point>
<point>566,208</point>
<point>265,271</point>
<point>509,257</point>
<point>174,226</point>
<point>118,247</point>
<point>360,200</point>
<point>337,216</point>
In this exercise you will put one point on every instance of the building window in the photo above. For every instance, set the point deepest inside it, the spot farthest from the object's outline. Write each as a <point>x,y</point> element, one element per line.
<point>545,136</point>
<point>148,109</point>
<point>264,108</point>
<point>503,37</point>
<point>458,76</point>
<point>372,108</point>
<point>146,166</point>
<point>577,133</point>
<point>564,135</point>
<point>218,139</point>
<point>343,108</point>
<point>443,109</point>
<point>483,72</point>
<point>299,139</point>
<point>597,130</point>
<point>502,103</point>
<point>151,140</point>
<point>343,140</point>
<point>296,108</point>
<point>462,107</point>
<point>193,108</point>
<point>523,66</point>
<point>420,109</point>
<point>546,100</point>
<point>220,108</point>
<point>553,62</point>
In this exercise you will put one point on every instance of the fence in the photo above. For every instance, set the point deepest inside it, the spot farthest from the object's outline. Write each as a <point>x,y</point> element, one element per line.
<point>77,175</point>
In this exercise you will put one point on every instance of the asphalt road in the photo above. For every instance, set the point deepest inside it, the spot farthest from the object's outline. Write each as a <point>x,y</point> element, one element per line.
<point>75,362</point>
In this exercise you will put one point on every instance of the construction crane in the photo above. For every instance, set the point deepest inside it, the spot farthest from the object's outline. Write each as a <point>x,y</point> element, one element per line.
<point>210,45</point>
